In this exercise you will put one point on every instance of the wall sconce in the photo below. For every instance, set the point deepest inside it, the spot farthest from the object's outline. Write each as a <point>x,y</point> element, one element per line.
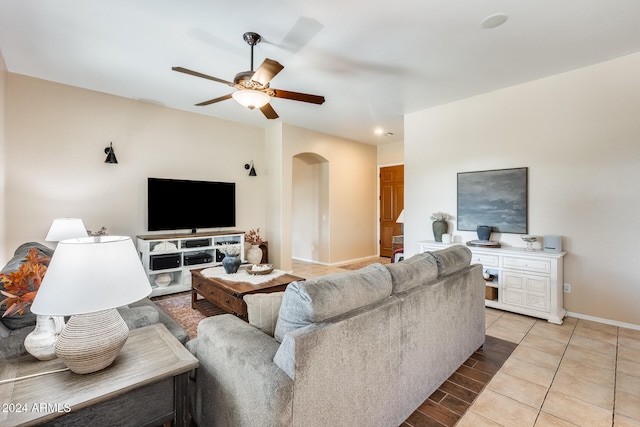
<point>248,166</point>
<point>111,156</point>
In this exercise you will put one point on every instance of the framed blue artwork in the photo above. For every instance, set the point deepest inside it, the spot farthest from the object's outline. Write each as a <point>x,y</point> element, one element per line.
<point>497,198</point>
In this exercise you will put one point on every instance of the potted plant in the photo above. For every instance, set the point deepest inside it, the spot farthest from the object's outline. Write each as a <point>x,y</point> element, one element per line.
<point>254,253</point>
<point>20,289</point>
<point>439,225</point>
<point>21,286</point>
<point>231,260</point>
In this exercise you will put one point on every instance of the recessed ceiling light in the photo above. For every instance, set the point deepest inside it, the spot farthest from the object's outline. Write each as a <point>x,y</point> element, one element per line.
<point>493,21</point>
<point>381,132</point>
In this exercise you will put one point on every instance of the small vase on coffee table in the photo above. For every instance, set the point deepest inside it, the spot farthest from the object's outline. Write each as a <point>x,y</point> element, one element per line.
<point>231,263</point>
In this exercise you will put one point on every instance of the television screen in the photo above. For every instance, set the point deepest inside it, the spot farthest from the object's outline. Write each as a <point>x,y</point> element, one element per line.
<point>176,204</point>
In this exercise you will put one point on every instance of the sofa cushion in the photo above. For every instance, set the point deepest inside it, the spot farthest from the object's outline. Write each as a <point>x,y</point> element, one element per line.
<point>18,321</point>
<point>321,298</point>
<point>414,271</point>
<point>452,259</point>
<point>137,317</point>
<point>263,309</point>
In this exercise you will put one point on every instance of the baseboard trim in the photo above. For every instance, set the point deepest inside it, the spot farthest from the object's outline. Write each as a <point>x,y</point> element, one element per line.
<point>605,321</point>
<point>339,263</point>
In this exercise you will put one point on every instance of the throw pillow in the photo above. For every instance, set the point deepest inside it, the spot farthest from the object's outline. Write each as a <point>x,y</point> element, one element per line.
<point>263,309</point>
<point>18,321</point>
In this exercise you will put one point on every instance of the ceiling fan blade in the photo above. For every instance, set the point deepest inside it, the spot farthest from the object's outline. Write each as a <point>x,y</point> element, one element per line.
<point>213,101</point>
<point>297,96</point>
<point>266,71</point>
<point>269,112</point>
<point>204,76</point>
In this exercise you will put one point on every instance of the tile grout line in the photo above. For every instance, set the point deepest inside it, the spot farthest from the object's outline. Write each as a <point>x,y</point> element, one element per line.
<point>573,330</point>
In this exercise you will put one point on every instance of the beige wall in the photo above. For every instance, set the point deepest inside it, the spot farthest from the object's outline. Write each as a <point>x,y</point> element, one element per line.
<point>55,137</point>
<point>579,135</point>
<point>352,192</point>
<point>391,153</point>
<point>3,168</point>
<point>310,214</point>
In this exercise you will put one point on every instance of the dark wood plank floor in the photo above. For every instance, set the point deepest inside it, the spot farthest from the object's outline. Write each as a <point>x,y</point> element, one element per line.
<point>449,403</point>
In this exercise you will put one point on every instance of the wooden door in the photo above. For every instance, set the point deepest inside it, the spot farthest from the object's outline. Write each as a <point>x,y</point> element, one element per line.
<point>391,204</point>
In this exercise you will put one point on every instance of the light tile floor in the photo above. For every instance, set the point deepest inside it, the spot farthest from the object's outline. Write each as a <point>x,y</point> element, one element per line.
<point>580,373</point>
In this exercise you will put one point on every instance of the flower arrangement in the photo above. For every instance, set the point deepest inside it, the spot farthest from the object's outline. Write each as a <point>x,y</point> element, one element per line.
<point>439,216</point>
<point>253,237</point>
<point>230,248</point>
<point>101,232</point>
<point>21,286</point>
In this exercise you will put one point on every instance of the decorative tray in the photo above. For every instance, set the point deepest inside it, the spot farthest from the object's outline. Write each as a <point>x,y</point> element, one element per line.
<point>260,269</point>
<point>483,243</point>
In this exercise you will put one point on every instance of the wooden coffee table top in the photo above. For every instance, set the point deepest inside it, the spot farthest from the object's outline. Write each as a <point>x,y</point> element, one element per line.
<point>239,289</point>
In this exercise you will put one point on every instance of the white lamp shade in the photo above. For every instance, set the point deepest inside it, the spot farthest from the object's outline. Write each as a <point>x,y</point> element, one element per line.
<point>66,228</point>
<point>251,98</point>
<point>401,217</point>
<point>91,274</point>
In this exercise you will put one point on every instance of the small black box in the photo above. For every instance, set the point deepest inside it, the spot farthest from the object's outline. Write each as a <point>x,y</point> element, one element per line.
<point>199,258</point>
<point>197,243</point>
<point>163,262</point>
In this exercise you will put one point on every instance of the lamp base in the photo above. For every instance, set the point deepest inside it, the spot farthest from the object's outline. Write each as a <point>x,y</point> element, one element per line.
<point>90,342</point>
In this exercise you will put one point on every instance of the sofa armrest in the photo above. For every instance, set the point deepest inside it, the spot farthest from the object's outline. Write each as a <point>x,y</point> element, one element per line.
<point>237,382</point>
<point>165,319</point>
<point>137,317</point>
<point>12,345</point>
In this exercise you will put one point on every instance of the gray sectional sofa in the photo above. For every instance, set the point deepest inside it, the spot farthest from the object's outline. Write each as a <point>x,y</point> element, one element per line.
<point>14,329</point>
<point>360,348</point>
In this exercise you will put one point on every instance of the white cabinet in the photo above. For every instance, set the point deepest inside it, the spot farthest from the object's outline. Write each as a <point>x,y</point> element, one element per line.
<point>528,282</point>
<point>169,258</point>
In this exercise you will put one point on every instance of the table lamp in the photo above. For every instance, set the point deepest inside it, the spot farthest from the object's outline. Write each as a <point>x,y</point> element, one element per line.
<point>66,228</point>
<point>87,279</point>
<point>400,220</point>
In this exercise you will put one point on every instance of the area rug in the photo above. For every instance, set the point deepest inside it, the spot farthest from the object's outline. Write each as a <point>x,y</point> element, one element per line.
<point>361,264</point>
<point>178,307</point>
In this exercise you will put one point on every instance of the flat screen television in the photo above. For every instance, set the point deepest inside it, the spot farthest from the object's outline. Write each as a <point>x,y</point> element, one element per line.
<point>177,204</point>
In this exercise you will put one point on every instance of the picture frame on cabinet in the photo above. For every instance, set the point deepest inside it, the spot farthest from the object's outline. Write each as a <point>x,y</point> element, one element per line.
<point>497,198</point>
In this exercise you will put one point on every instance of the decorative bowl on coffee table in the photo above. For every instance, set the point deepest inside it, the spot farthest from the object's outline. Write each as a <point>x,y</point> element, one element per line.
<point>260,269</point>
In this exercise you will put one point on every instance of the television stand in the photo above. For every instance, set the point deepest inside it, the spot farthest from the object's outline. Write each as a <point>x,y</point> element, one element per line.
<point>168,259</point>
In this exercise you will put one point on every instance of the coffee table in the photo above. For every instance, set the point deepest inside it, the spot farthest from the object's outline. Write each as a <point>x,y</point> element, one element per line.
<point>228,294</point>
<point>145,385</point>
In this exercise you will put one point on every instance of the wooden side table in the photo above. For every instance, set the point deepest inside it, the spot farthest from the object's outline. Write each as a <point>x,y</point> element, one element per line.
<point>265,252</point>
<point>146,385</point>
<point>396,241</point>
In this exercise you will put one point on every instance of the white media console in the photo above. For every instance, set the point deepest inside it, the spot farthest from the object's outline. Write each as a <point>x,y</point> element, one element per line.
<point>527,282</point>
<point>169,258</point>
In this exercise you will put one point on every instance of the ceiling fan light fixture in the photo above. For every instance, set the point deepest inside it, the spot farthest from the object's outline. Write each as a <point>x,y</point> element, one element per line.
<point>251,98</point>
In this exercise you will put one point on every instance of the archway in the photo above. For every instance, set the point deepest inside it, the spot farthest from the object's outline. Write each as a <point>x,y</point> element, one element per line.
<point>310,211</point>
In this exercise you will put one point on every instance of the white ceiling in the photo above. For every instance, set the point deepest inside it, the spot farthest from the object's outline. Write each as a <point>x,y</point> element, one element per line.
<point>373,60</point>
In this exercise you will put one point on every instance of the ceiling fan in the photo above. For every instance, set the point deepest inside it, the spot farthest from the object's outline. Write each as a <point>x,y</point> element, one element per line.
<point>253,86</point>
